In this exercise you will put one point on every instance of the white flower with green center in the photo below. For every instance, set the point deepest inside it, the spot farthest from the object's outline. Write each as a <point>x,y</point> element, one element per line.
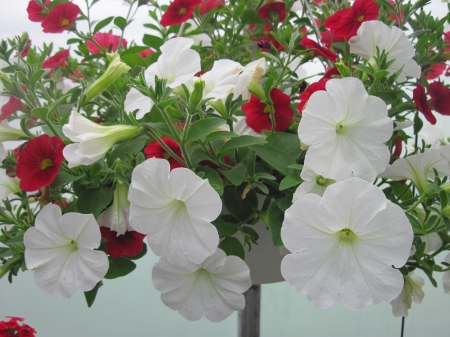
<point>446,277</point>
<point>61,250</point>
<point>373,34</point>
<point>8,185</point>
<point>345,130</point>
<point>344,245</point>
<point>91,140</point>
<point>419,168</point>
<point>212,288</point>
<point>312,183</point>
<point>412,290</point>
<point>174,209</point>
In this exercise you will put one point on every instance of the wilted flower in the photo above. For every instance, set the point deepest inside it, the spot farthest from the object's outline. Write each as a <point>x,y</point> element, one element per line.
<point>412,290</point>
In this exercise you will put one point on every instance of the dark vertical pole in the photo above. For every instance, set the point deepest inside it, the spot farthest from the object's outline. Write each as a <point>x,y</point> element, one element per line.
<point>248,319</point>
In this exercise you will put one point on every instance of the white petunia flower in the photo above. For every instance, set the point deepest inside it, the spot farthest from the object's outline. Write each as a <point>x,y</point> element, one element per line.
<point>61,250</point>
<point>418,168</point>
<point>177,64</point>
<point>137,101</point>
<point>8,185</point>
<point>312,183</point>
<point>9,133</point>
<point>175,210</point>
<point>412,290</point>
<point>254,71</point>
<point>241,128</point>
<point>116,217</point>
<point>92,140</point>
<point>212,288</point>
<point>345,130</point>
<point>446,277</point>
<point>221,80</point>
<point>373,34</point>
<point>345,244</point>
<point>402,125</point>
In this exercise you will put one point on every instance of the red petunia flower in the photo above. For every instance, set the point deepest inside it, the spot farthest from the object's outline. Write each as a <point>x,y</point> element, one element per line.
<point>435,70</point>
<point>208,5</point>
<point>14,104</point>
<point>440,96</point>
<point>36,13</point>
<point>304,96</point>
<point>61,18</point>
<point>15,328</point>
<point>258,113</point>
<point>345,23</point>
<point>144,54</point>
<point>318,49</point>
<point>56,61</point>
<point>129,244</point>
<point>178,12</point>
<point>328,38</point>
<point>420,99</point>
<point>107,41</point>
<point>397,150</point>
<point>155,150</point>
<point>394,17</point>
<point>266,39</point>
<point>330,72</point>
<point>24,52</point>
<point>39,162</point>
<point>273,12</point>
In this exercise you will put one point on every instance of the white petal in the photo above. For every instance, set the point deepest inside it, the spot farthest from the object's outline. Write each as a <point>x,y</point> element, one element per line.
<point>137,101</point>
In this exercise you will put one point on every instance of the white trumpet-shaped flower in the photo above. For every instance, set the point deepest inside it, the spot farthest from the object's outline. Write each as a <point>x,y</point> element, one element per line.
<point>344,245</point>
<point>137,101</point>
<point>373,34</point>
<point>91,140</point>
<point>8,185</point>
<point>212,288</point>
<point>412,290</point>
<point>175,210</point>
<point>61,250</point>
<point>9,133</point>
<point>346,129</point>
<point>221,80</point>
<point>313,183</point>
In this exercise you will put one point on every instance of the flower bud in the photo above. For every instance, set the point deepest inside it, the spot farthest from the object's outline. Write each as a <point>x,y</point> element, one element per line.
<point>256,89</point>
<point>196,95</point>
<point>8,133</point>
<point>343,69</point>
<point>112,73</point>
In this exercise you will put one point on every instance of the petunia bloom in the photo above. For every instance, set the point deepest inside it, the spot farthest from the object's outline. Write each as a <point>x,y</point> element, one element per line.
<point>39,162</point>
<point>61,18</point>
<point>420,99</point>
<point>137,101</point>
<point>440,96</point>
<point>346,129</point>
<point>435,70</point>
<point>212,288</point>
<point>376,34</point>
<point>208,5</point>
<point>344,245</point>
<point>175,209</point>
<point>129,243</point>
<point>155,150</point>
<point>178,12</point>
<point>61,250</point>
<point>258,113</point>
<point>312,88</point>
<point>274,11</point>
<point>346,22</point>
<point>15,327</point>
<point>13,105</point>
<point>312,183</point>
<point>36,13</point>
<point>318,49</point>
<point>412,290</point>
<point>109,42</point>
<point>145,53</point>
<point>91,141</point>
<point>56,61</point>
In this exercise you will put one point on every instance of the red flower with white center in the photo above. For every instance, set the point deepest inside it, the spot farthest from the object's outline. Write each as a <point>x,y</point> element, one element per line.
<point>273,12</point>
<point>144,54</point>
<point>420,99</point>
<point>13,105</point>
<point>345,23</point>
<point>155,150</point>
<point>434,71</point>
<point>208,5</point>
<point>129,244</point>
<point>258,113</point>
<point>318,49</point>
<point>440,96</point>
<point>178,12</point>
<point>56,61</point>
<point>304,96</point>
<point>37,13</point>
<point>61,18</point>
<point>107,41</point>
<point>39,162</point>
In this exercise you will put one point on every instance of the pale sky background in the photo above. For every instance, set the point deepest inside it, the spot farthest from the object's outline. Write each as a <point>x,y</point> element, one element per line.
<point>131,306</point>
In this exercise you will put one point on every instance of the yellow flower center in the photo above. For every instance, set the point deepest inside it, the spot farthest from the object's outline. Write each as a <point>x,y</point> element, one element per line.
<point>182,10</point>
<point>266,109</point>
<point>46,163</point>
<point>361,17</point>
<point>65,22</point>
<point>166,155</point>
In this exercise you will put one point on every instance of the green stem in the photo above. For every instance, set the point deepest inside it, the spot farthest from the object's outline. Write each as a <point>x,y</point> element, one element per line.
<point>421,198</point>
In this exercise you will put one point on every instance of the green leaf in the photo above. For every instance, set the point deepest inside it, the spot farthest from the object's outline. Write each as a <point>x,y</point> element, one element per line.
<point>102,24</point>
<point>64,177</point>
<point>381,74</point>
<point>133,50</point>
<point>249,16</point>
<point>120,22</point>
<point>413,221</point>
<point>127,148</point>
<point>203,128</point>
<point>387,97</point>
<point>213,177</point>
<point>241,141</point>
<point>275,217</point>
<point>94,200</point>
<point>251,233</point>
<point>91,294</point>
<point>236,175</point>
<point>226,228</point>
<point>276,158</point>
<point>232,246</point>
<point>240,208</point>
<point>40,113</point>
<point>119,267</point>
<point>418,124</point>
<point>285,203</point>
<point>36,77</point>
<point>220,134</point>
<point>152,41</point>
<point>290,181</point>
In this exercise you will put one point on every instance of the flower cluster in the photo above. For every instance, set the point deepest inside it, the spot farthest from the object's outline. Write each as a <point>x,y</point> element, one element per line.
<point>218,122</point>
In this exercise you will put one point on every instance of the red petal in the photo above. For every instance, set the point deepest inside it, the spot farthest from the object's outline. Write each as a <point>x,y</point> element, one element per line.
<point>440,96</point>
<point>129,244</point>
<point>55,22</point>
<point>420,99</point>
